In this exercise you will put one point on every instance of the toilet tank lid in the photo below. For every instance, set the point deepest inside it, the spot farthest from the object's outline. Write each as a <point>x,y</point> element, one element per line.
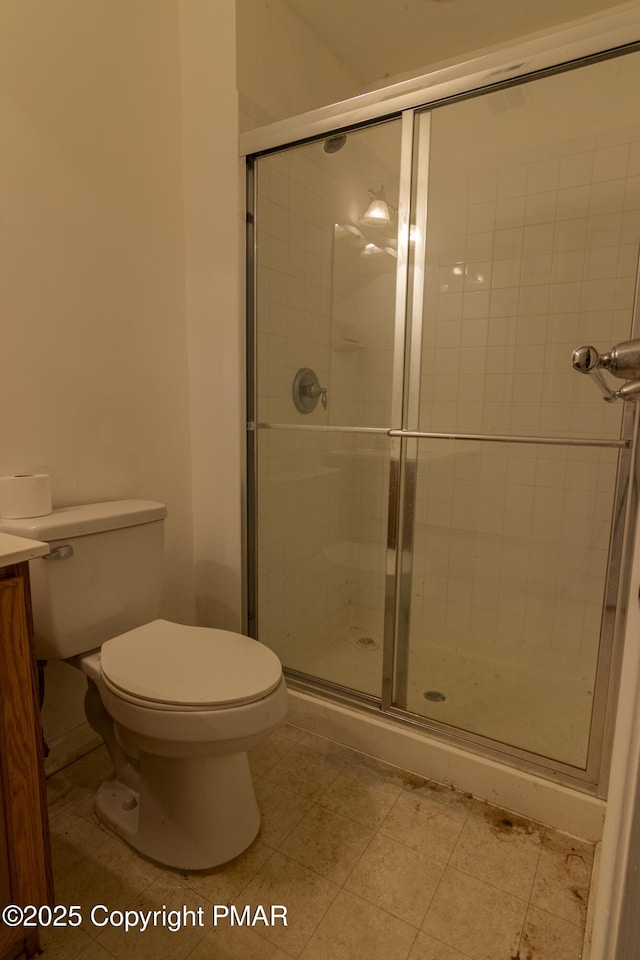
<point>79,521</point>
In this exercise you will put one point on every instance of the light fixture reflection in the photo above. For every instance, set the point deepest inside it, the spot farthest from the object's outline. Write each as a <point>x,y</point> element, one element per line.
<point>377,213</point>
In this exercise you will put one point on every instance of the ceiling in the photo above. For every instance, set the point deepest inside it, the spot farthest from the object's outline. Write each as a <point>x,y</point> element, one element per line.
<point>379,39</point>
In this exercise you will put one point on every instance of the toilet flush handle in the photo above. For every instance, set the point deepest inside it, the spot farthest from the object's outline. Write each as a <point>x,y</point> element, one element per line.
<point>62,552</point>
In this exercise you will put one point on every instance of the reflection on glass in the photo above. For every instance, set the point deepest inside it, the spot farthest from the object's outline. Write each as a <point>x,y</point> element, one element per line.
<point>327,246</point>
<point>326,276</point>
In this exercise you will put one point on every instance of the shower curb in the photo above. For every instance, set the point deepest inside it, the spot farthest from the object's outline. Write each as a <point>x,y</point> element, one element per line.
<point>553,804</point>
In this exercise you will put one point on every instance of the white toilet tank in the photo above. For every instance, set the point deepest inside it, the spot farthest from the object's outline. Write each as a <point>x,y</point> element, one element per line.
<point>109,582</point>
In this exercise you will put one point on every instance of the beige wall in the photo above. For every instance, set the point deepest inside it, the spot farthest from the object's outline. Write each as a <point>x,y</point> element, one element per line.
<point>283,68</point>
<point>94,352</point>
<point>119,269</point>
<point>121,331</point>
<point>299,55</point>
<point>213,185</point>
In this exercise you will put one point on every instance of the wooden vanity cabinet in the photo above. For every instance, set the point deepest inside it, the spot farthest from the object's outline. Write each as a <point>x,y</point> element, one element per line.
<point>25,858</point>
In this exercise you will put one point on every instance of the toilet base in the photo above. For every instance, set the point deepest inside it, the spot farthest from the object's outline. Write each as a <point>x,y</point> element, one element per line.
<point>192,814</point>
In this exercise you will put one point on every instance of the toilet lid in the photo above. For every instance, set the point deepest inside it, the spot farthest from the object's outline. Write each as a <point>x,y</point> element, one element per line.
<point>189,666</point>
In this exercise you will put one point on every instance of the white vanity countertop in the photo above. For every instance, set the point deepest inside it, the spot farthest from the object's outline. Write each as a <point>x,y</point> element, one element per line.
<point>16,549</point>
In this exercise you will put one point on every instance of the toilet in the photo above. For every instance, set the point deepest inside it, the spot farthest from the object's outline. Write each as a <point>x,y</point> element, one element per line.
<point>177,706</point>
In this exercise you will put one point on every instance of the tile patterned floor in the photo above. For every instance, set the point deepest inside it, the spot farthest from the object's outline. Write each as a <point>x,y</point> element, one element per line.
<point>372,864</point>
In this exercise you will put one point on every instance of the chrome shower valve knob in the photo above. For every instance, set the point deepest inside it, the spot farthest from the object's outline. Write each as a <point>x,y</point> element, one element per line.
<point>306,391</point>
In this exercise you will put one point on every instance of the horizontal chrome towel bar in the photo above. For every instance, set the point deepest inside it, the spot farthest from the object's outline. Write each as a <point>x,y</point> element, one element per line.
<point>502,438</point>
<point>425,435</point>
<point>317,428</point>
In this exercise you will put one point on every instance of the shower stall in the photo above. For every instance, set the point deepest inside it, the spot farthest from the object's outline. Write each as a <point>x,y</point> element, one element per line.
<point>437,501</point>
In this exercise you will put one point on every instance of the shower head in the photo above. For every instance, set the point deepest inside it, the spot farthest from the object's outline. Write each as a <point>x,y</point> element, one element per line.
<point>333,144</point>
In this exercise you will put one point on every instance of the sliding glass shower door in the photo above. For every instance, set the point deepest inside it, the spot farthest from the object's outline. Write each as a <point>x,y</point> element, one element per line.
<point>531,249</point>
<point>437,499</point>
<point>327,341</point>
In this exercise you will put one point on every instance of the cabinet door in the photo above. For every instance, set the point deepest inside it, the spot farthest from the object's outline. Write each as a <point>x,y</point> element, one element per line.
<point>24,846</point>
<point>5,880</point>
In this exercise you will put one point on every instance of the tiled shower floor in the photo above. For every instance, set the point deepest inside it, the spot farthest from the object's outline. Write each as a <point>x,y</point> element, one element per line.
<point>372,864</point>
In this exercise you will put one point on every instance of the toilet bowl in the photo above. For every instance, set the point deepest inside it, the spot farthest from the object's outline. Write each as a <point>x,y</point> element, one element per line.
<point>177,706</point>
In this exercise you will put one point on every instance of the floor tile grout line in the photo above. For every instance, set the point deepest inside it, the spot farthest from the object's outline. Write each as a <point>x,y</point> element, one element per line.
<point>61,875</point>
<point>288,750</point>
<point>261,867</point>
<point>435,892</point>
<point>466,820</point>
<point>535,873</point>
<point>413,943</point>
<point>70,763</point>
<point>340,815</point>
<point>578,926</point>
<point>408,847</point>
<point>384,910</point>
<point>102,947</point>
<point>447,864</point>
<point>262,933</point>
<point>98,826</point>
<point>342,884</point>
<point>163,873</point>
<point>465,956</point>
<point>477,803</point>
<point>306,796</point>
<point>536,906</point>
<point>403,791</point>
<point>347,878</point>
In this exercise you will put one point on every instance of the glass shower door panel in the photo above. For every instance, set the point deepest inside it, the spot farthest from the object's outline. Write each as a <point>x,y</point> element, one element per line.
<point>532,248</point>
<point>322,553</point>
<point>510,562</point>
<point>327,252</point>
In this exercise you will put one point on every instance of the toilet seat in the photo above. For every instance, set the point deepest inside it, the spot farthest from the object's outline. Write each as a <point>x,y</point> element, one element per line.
<point>179,667</point>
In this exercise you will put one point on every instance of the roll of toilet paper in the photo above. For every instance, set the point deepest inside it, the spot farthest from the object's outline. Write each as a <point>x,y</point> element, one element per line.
<point>25,495</point>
